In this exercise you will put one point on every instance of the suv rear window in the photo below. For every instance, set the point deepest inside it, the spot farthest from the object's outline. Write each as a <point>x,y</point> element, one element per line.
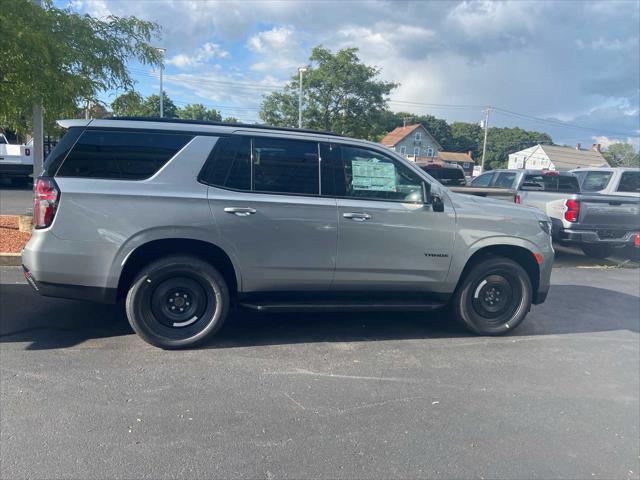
<point>551,183</point>
<point>595,181</point>
<point>629,182</point>
<point>114,154</point>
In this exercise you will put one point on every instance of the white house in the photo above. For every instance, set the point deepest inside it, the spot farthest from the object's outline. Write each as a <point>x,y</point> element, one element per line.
<point>552,157</point>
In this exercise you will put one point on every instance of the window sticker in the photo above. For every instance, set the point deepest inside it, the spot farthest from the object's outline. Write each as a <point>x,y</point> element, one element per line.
<point>372,175</point>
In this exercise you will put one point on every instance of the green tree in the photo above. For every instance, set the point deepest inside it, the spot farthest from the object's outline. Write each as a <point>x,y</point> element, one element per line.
<point>197,111</point>
<point>467,137</point>
<point>621,155</point>
<point>63,58</point>
<point>231,120</point>
<point>341,94</point>
<point>128,104</point>
<point>151,106</point>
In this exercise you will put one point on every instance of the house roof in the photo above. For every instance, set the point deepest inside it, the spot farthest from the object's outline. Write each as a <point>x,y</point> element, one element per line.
<point>567,158</point>
<point>398,134</point>
<point>455,157</point>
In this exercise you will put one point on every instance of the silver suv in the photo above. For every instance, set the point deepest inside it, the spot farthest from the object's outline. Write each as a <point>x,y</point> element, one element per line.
<point>185,220</point>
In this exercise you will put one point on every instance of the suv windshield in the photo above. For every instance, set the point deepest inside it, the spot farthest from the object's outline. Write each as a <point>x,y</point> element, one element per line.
<point>446,175</point>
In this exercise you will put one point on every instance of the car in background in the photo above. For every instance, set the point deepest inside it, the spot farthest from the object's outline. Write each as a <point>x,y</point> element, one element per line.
<point>448,174</point>
<point>598,224</point>
<point>610,181</point>
<point>16,161</point>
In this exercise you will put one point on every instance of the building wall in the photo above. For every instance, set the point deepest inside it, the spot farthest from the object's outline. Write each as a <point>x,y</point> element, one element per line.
<point>533,157</point>
<point>424,144</point>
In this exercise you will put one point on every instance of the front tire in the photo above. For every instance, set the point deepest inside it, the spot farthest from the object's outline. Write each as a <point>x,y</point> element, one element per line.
<point>597,251</point>
<point>494,297</point>
<point>178,301</point>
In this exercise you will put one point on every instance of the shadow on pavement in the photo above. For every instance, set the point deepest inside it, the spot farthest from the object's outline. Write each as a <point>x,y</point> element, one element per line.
<point>56,323</point>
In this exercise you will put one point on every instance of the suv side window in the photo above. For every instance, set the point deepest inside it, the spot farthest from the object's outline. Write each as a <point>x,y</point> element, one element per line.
<point>505,180</point>
<point>372,175</point>
<point>629,182</point>
<point>114,154</point>
<point>229,164</point>
<point>285,166</point>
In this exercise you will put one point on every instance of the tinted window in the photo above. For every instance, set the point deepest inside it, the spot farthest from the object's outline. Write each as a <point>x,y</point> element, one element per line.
<point>551,183</point>
<point>369,174</point>
<point>228,165</point>
<point>595,181</point>
<point>121,155</point>
<point>629,182</point>
<point>285,166</point>
<point>483,180</point>
<point>60,151</point>
<point>333,181</point>
<point>447,176</point>
<point>505,180</point>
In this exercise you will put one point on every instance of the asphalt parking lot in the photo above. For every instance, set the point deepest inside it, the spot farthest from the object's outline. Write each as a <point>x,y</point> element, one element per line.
<point>15,199</point>
<point>367,395</point>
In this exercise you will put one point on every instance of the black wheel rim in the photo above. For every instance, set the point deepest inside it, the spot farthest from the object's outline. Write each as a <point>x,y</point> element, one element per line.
<point>497,296</point>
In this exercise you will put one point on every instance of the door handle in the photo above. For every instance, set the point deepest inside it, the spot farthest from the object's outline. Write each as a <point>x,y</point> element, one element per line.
<point>240,211</point>
<point>358,217</point>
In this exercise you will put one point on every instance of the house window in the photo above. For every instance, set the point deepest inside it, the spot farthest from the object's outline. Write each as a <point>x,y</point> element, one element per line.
<point>403,150</point>
<point>416,151</point>
<point>418,135</point>
<point>466,165</point>
<point>429,152</point>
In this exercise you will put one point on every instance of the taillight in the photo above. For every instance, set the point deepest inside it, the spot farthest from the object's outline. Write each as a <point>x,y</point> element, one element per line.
<point>516,199</point>
<point>45,201</point>
<point>636,240</point>
<point>572,212</point>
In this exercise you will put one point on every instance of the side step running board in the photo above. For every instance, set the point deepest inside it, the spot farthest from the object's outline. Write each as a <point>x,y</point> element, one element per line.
<point>341,306</point>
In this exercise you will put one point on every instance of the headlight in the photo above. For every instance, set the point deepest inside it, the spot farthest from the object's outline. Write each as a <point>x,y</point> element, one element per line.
<point>545,226</point>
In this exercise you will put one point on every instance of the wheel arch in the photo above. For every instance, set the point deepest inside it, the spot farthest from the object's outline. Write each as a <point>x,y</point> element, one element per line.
<point>145,253</point>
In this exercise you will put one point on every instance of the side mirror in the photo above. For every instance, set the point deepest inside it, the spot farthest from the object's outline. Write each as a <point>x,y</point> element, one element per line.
<point>434,199</point>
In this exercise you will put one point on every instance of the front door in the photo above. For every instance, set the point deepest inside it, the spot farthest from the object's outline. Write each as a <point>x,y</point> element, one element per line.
<point>388,238</point>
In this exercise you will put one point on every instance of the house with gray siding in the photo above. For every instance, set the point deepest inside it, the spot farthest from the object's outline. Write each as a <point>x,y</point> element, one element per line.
<point>413,142</point>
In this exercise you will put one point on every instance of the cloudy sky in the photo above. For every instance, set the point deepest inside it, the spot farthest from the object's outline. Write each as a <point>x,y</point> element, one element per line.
<point>564,62</point>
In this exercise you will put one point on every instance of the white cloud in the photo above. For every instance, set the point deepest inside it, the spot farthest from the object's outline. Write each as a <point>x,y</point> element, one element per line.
<point>201,55</point>
<point>275,39</point>
<point>277,49</point>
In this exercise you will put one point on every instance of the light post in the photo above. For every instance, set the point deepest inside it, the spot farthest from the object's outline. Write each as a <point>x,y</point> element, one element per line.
<point>301,70</point>
<point>161,50</point>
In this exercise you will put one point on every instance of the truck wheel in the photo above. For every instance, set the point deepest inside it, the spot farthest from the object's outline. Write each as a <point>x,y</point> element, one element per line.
<point>177,301</point>
<point>494,297</point>
<point>597,251</point>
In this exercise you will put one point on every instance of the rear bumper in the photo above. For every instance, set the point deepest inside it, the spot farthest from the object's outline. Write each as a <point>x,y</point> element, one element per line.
<point>75,292</point>
<point>594,237</point>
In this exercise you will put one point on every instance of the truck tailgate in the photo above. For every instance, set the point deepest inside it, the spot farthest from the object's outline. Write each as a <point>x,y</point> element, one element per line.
<point>609,212</point>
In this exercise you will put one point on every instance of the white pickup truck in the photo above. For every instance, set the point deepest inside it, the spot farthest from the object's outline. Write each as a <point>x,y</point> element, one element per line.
<point>16,161</point>
<point>623,181</point>
<point>597,223</point>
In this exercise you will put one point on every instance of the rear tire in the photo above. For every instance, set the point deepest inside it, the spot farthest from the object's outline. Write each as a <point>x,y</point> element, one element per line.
<point>178,301</point>
<point>597,251</point>
<point>494,297</point>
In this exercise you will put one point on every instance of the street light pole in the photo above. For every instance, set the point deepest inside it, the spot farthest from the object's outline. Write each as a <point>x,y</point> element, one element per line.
<point>38,131</point>
<point>300,71</point>
<point>161,50</point>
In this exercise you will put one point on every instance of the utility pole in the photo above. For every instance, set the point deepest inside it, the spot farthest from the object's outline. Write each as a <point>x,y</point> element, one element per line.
<point>161,50</point>
<point>38,131</point>
<point>484,144</point>
<point>301,70</point>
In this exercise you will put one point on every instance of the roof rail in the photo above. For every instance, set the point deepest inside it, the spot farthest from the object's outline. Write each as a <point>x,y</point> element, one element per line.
<point>221,124</point>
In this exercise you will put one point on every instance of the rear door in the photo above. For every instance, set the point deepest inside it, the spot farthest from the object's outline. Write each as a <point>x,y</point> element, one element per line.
<point>265,197</point>
<point>388,238</point>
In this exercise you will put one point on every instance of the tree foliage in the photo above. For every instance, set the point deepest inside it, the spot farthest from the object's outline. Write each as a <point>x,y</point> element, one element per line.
<point>340,94</point>
<point>621,155</point>
<point>132,104</point>
<point>197,111</point>
<point>63,59</point>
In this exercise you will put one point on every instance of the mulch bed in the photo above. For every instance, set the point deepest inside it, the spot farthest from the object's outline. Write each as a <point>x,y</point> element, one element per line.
<point>11,239</point>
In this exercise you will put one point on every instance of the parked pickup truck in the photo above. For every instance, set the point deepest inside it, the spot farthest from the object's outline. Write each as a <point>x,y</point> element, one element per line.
<point>597,223</point>
<point>610,181</point>
<point>16,161</point>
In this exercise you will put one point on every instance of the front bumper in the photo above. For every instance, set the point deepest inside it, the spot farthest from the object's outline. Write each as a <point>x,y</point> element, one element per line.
<point>611,238</point>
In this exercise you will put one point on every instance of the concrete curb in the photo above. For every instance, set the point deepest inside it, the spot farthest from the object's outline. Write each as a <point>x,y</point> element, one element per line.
<point>10,259</point>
